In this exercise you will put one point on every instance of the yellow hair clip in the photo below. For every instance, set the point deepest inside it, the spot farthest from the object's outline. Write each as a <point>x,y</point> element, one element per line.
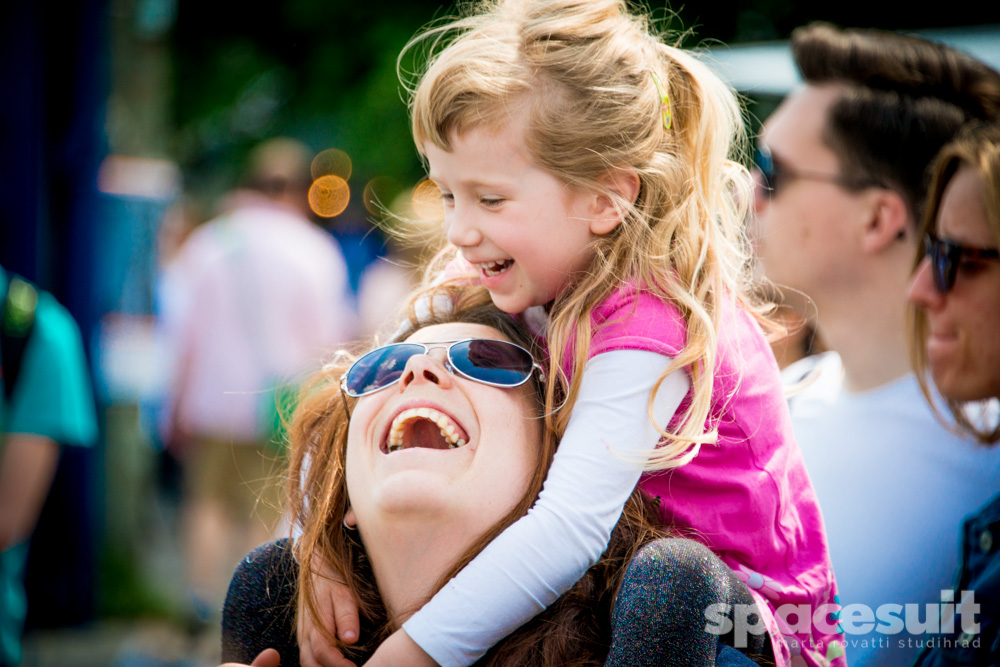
<point>668,118</point>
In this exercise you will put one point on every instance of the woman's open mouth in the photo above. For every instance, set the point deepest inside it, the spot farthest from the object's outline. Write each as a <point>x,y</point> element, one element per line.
<point>424,427</point>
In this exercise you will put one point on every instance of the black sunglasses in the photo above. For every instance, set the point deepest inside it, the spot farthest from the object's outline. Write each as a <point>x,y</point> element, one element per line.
<point>946,258</point>
<point>775,175</point>
<point>493,362</point>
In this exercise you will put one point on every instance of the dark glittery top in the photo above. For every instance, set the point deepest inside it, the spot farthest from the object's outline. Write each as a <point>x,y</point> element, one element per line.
<point>259,612</point>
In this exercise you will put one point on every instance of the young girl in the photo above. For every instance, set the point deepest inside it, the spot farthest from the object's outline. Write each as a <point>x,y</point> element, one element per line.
<point>585,170</point>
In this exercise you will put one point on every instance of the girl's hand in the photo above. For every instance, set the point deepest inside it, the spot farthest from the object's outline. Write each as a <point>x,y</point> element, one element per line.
<point>266,658</point>
<point>337,610</point>
<point>400,651</point>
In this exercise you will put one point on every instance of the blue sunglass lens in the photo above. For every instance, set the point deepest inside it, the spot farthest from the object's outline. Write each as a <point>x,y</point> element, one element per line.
<point>943,263</point>
<point>492,361</point>
<point>380,368</point>
<point>762,158</point>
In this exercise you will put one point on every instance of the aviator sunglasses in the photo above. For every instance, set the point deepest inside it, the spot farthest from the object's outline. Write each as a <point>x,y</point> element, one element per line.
<point>493,362</point>
<point>775,175</point>
<point>946,258</point>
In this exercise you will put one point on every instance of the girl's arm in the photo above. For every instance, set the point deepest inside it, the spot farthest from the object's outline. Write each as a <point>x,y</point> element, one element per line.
<point>543,554</point>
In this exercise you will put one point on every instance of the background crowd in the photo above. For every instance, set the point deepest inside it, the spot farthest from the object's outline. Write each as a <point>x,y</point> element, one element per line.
<point>147,191</point>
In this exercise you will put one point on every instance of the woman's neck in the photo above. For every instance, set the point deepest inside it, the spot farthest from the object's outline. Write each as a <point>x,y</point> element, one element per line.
<point>409,558</point>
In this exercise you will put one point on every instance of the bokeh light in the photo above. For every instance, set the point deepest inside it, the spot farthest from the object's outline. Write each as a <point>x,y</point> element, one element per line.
<point>426,201</point>
<point>329,195</point>
<point>332,162</point>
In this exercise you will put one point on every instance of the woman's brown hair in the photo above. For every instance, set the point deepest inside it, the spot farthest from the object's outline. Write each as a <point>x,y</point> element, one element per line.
<point>978,147</point>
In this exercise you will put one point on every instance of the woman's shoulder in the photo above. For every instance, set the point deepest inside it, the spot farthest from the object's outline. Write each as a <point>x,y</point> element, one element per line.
<point>259,611</point>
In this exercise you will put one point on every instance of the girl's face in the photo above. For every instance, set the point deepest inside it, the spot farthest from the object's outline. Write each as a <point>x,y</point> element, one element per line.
<point>963,345</point>
<point>525,231</point>
<point>470,487</point>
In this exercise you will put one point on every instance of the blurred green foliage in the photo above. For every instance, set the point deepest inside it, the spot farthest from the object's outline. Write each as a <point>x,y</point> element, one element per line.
<point>324,71</point>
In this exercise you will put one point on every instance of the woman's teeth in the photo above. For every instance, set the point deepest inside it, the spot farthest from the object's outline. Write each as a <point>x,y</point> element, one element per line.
<point>449,430</point>
<point>496,268</point>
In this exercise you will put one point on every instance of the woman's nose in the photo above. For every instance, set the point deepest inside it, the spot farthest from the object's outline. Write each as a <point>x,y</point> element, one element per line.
<point>424,368</point>
<point>923,293</point>
<point>462,230</point>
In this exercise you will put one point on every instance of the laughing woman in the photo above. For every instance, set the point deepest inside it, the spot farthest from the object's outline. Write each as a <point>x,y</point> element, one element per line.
<point>955,339</point>
<point>413,460</point>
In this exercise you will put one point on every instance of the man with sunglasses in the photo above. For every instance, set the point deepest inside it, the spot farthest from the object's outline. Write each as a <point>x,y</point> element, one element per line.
<point>840,189</point>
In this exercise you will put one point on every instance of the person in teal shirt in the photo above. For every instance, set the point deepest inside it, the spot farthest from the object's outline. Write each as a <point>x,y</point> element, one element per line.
<point>49,404</point>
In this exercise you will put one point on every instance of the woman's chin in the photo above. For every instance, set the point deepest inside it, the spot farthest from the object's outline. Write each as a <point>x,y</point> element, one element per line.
<point>414,491</point>
<point>955,384</point>
<point>411,511</point>
<point>420,500</point>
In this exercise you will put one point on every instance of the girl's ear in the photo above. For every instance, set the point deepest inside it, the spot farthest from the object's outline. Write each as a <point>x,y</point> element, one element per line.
<point>350,520</point>
<point>624,183</point>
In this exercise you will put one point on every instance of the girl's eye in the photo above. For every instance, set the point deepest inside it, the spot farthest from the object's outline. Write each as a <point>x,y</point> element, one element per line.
<point>491,202</point>
<point>447,198</point>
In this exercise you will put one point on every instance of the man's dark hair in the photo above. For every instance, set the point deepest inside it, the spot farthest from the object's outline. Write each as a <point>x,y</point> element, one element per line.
<point>906,98</point>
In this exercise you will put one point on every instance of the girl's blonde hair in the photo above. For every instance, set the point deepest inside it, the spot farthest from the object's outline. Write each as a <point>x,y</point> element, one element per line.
<point>602,92</point>
<point>978,146</point>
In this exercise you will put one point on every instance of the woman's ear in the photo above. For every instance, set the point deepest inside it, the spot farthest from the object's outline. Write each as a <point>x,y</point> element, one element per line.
<point>624,184</point>
<point>350,520</point>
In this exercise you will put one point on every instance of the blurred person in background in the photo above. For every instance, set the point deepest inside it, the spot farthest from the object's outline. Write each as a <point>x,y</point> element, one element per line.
<point>362,243</point>
<point>955,294</point>
<point>253,300</point>
<point>47,402</point>
<point>842,183</point>
<point>800,339</point>
<point>385,285</point>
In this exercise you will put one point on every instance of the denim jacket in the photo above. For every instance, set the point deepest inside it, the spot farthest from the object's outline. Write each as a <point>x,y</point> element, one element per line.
<point>980,573</point>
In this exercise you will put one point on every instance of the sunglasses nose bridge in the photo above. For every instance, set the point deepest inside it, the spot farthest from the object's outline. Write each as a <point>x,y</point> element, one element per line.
<point>440,352</point>
<point>435,368</point>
